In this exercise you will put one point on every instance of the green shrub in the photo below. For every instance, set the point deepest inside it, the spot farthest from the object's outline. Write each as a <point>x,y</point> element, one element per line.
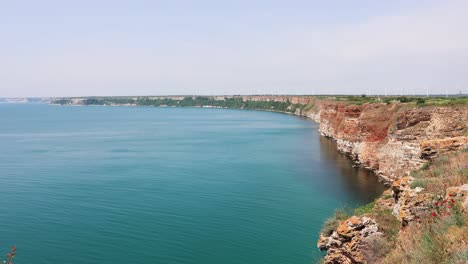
<point>426,165</point>
<point>387,196</point>
<point>420,101</point>
<point>404,99</point>
<point>419,183</point>
<point>387,100</point>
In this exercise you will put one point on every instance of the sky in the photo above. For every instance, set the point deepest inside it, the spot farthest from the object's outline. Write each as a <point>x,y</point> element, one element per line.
<point>211,47</point>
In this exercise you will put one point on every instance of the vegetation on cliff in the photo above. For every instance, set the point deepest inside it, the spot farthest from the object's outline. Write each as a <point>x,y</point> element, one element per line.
<point>415,224</point>
<point>439,234</point>
<point>417,100</point>
<point>196,101</point>
<point>276,103</point>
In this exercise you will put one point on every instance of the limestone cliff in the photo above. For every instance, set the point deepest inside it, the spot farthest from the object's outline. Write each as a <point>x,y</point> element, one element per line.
<point>392,139</point>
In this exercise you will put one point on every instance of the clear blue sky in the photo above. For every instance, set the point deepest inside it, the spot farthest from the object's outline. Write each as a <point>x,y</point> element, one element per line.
<point>79,48</point>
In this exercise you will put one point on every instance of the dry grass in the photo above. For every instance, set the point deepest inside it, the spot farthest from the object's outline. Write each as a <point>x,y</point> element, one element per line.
<point>375,248</point>
<point>442,238</point>
<point>435,240</point>
<point>447,170</point>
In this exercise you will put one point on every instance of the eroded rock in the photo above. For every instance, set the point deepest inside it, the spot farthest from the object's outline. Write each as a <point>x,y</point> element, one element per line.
<point>409,204</point>
<point>347,242</point>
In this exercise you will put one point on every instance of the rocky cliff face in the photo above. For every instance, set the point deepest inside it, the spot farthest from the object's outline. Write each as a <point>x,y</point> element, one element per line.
<point>347,244</point>
<point>391,139</point>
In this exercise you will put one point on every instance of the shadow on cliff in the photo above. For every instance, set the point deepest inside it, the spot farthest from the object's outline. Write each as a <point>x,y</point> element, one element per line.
<point>359,182</point>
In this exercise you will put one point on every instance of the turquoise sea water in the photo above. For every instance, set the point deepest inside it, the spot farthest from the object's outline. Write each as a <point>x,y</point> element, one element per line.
<point>168,185</point>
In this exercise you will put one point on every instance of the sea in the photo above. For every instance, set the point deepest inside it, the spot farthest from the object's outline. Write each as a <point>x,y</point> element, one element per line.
<point>107,185</point>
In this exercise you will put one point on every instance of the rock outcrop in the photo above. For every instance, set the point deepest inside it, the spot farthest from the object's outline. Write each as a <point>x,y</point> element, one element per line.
<point>347,244</point>
<point>409,204</point>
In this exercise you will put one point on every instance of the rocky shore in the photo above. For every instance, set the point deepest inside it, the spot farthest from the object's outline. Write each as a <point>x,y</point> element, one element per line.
<point>396,140</point>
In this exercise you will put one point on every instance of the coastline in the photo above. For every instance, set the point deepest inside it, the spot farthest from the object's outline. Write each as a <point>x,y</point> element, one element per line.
<point>393,140</point>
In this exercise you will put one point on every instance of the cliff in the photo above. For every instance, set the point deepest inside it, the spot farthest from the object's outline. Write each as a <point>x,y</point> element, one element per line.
<point>392,139</point>
<point>421,152</point>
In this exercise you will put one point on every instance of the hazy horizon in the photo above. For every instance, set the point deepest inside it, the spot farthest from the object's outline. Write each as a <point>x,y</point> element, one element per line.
<point>152,48</point>
<point>227,95</point>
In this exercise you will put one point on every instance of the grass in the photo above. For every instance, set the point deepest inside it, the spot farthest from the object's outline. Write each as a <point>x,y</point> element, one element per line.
<point>417,174</point>
<point>448,170</point>
<point>365,209</point>
<point>375,248</point>
<point>436,240</point>
<point>332,223</point>
<point>439,238</point>
<point>426,165</point>
<point>442,160</point>
<point>308,107</point>
<point>437,172</point>
<point>446,101</point>
<point>388,224</point>
<point>358,100</point>
<point>415,100</point>
<point>387,196</point>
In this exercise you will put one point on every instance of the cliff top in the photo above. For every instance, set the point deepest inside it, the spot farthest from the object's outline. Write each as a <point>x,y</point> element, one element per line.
<point>418,100</point>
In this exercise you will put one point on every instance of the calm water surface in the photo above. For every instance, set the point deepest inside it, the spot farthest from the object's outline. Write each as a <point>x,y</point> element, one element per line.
<point>168,185</point>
